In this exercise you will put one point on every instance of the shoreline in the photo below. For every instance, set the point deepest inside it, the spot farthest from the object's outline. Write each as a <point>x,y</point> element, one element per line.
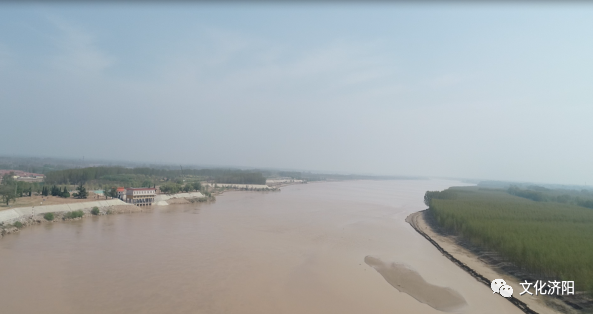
<point>24,215</point>
<point>18,213</point>
<point>477,265</point>
<point>8,226</point>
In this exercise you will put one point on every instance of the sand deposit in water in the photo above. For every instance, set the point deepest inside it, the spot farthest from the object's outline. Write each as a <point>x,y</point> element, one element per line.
<point>300,250</point>
<point>407,280</point>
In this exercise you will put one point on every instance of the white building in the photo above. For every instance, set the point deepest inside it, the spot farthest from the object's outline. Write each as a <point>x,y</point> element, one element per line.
<point>141,196</point>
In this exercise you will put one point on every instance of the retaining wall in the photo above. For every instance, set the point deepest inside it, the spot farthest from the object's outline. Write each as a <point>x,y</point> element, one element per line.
<point>15,213</point>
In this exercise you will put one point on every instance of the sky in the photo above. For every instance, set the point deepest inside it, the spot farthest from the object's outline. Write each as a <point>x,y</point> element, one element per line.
<point>496,90</point>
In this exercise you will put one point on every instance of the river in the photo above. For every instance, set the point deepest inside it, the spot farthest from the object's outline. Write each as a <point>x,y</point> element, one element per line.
<point>300,250</point>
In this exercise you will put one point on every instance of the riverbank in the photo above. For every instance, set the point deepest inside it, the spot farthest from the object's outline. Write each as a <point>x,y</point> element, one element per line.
<point>13,225</point>
<point>13,219</point>
<point>484,268</point>
<point>41,200</point>
<point>241,187</point>
<point>15,214</point>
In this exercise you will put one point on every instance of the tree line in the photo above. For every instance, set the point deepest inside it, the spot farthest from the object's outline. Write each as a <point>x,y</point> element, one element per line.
<point>540,194</point>
<point>11,189</point>
<point>119,174</point>
<point>547,239</point>
<point>172,188</point>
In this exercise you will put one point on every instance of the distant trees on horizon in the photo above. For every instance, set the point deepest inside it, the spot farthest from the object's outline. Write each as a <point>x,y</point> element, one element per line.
<point>540,194</point>
<point>147,177</point>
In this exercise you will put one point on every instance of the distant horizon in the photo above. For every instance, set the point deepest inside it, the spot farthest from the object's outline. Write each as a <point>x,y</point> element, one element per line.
<point>130,163</point>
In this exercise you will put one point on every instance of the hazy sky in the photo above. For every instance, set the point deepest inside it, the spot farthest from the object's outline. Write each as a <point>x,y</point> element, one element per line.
<point>490,91</point>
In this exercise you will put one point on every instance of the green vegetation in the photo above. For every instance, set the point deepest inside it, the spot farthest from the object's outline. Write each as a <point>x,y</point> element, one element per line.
<point>146,177</point>
<point>172,188</point>
<point>7,193</point>
<point>74,214</point>
<point>198,199</point>
<point>240,178</point>
<point>11,189</point>
<point>110,191</point>
<point>81,192</point>
<point>55,191</point>
<point>18,224</point>
<point>49,216</point>
<point>540,194</point>
<point>95,211</point>
<point>548,239</point>
<point>8,189</point>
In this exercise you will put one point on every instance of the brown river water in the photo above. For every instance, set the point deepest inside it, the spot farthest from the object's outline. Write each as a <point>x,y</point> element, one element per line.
<point>300,250</point>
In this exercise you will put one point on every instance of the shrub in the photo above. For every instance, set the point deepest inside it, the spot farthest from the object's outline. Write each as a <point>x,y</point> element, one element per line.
<point>95,211</point>
<point>18,224</point>
<point>49,216</point>
<point>73,214</point>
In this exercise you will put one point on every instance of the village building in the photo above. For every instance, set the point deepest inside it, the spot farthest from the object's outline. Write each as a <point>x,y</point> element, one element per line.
<point>121,193</point>
<point>140,196</point>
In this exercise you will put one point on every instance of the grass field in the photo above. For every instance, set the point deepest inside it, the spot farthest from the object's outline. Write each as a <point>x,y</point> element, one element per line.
<point>546,238</point>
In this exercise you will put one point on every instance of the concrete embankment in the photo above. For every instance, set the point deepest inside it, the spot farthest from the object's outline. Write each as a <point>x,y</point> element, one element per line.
<point>14,214</point>
<point>241,186</point>
<point>161,199</point>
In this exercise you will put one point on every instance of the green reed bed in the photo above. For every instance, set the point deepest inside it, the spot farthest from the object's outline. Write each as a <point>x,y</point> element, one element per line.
<point>546,238</point>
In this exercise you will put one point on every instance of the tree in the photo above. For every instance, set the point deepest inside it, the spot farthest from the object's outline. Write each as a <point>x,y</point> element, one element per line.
<point>23,188</point>
<point>9,188</point>
<point>55,191</point>
<point>170,188</point>
<point>110,192</point>
<point>81,192</point>
<point>429,195</point>
<point>8,179</point>
<point>65,193</point>
<point>7,193</point>
<point>197,186</point>
<point>106,191</point>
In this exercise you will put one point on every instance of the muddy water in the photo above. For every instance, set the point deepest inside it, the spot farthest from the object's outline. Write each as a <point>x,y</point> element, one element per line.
<point>301,250</point>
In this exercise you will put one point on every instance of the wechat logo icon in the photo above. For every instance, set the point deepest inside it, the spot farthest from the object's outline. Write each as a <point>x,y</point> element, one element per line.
<point>499,286</point>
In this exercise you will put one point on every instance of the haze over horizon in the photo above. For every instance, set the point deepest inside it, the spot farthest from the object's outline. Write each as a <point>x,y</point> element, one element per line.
<point>492,91</point>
